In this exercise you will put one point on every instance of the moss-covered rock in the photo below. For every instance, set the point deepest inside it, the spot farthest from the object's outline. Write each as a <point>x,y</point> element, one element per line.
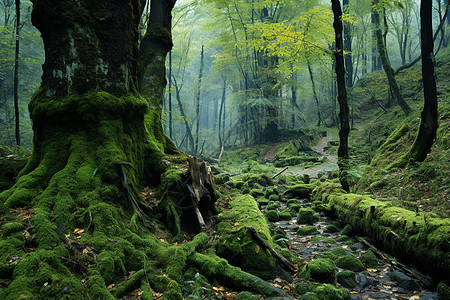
<point>286,215</point>
<point>299,191</point>
<point>272,216</point>
<point>350,262</point>
<point>256,193</point>
<point>306,216</point>
<point>307,230</point>
<point>369,259</point>
<point>320,270</point>
<point>347,279</point>
<point>274,197</point>
<point>443,290</point>
<point>331,229</point>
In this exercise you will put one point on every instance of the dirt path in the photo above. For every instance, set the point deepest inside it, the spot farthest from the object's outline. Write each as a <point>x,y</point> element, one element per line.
<point>329,165</point>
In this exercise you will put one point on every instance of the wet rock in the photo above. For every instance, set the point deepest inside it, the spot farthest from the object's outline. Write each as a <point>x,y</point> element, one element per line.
<point>320,270</point>
<point>404,281</point>
<point>347,279</point>
<point>356,246</point>
<point>364,281</point>
<point>307,230</point>
<point>350,262</point>
<point>306,216</point>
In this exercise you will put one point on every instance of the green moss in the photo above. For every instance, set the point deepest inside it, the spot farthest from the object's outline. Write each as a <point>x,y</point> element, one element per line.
<point>350,262</point>
<point>417,236</point>
<point>286,215</point>
<point>246,296</point>
<point>269,192</point>
<point>236,244</point>
<point>347,230</point>
<point>329,292</point>
<point>274,197</point>
<point>307,230</point>
<point>218,268</point>
<point>272,216</point>
<point>306,216</point>
<point>404,281</point>
<point>331,229</point>
<point>256,193</point>
<point>300,191</point>
<point>443,290</point>
<point>321,270</point>
<point>273,206</point>
<point>347,279</point>
<point>369,259</point>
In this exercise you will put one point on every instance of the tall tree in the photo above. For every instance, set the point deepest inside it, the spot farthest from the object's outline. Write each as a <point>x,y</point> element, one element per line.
<point>348,47</point>
<point>16,74</point>
<point>342,95</point>
<point>381,46</point>
<point>429,121</point>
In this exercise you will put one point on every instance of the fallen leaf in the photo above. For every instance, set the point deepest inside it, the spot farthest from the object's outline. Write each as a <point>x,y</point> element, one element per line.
<point>109,287</point>
<point>414,297</point>
<point>257,249</point>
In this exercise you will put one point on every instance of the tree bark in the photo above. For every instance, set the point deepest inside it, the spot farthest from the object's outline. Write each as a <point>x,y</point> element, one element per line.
<point>429,121</point>
<point>342,96</point>
<point>197,100</point>
<point>348,47</point>
<point>311,76</point>
<point>16,74</point>
<point>385,62</point>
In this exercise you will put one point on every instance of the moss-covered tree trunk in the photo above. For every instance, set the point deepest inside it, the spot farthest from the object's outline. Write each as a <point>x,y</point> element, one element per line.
<point>342,95</point>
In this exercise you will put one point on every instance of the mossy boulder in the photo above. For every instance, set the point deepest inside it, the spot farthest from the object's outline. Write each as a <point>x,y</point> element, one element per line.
<point>306,216</point>
<point>347,279</point>
<point>237,184</point>
<point>443,290</point>
<point>307,230</point>
<point>270,191</point>
<point>272,216</point>
<point>320,270</point>
<point>369,259</point>
<point>274,197</point>
<point>236,244</point>
<point>246,296</point>
<point>299,191</point>
<point>256,193</point>
<point>285,215</point>
<point>221,178</point>
<point>331,229</point>
<point>273,206</point>
<point>350,262</point>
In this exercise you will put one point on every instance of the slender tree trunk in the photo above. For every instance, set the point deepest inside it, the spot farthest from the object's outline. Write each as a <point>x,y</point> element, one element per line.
<point>221,111</point>
<point>429,121</point>
<point>319,118</point>
<point>342,96</point>
<point>386,64</point>
<point>348,47</point>
<point>197,100</point>
<point>170,96</point>
<point>190,143</point>
<point>16,74</point>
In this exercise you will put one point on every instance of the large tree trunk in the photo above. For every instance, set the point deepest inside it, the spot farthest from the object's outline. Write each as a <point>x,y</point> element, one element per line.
<point>342,96</point>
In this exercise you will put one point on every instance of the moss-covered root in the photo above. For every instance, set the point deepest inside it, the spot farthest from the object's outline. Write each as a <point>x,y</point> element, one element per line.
<point>216,267</point>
